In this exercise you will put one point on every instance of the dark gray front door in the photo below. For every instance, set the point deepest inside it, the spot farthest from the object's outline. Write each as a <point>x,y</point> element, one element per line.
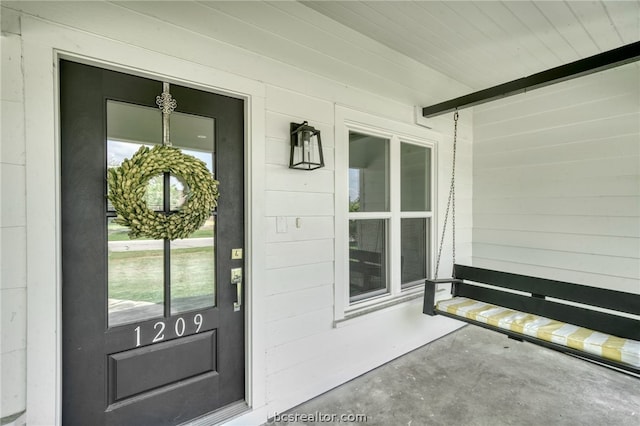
<point>150,332</point>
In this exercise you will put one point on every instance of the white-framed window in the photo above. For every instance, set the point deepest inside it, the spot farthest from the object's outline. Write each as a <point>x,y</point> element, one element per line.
<point>385,192</point>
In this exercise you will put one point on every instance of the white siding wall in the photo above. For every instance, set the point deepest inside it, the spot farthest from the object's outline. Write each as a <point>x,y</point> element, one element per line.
<point>307,65</point>
<point>557,181</point>
<point>12,225</point>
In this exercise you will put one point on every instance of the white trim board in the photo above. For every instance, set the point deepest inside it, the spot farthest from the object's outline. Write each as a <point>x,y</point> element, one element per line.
<point>43,44</point>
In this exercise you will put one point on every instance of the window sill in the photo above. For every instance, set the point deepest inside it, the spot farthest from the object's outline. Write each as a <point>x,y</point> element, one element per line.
<point>355,312</point>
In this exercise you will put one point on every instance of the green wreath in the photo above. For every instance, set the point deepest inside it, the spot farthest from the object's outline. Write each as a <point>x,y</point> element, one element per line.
<point>128,184</point>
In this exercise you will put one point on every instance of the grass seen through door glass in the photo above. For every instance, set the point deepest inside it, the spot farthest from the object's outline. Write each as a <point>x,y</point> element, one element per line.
<point>136,270</point>
<point>133,275</point>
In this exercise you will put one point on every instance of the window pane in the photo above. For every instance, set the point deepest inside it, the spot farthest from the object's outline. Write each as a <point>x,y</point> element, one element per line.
<point>131,126</point>
<point>133,123</point>
<point>194,135</point>
<point>135,267</point>
<point>368,173</point>
<point>414,250</point>
<point>367,258</point>
<point>135,276</point>
<point>193,275</point>
<point>193,266</point>
<point>415,169</point>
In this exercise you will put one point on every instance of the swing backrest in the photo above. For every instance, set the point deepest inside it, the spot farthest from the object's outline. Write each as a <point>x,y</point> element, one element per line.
<point>591,307</point>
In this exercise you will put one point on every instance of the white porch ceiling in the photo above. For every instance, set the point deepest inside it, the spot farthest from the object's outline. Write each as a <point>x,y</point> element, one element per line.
<point>484,43</point>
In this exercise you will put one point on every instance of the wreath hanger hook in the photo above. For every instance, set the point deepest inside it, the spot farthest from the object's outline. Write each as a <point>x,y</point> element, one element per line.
<point>167,104</point>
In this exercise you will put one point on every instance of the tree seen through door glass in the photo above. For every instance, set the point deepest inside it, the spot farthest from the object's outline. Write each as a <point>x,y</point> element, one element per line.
<point>136,268</point>
<point>154,195</point>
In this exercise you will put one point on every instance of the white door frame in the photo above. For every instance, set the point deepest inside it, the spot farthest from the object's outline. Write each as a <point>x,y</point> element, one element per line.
<point>43,44</point>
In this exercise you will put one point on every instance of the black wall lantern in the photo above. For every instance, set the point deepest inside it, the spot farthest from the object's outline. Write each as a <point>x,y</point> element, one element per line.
<point>306,147</point>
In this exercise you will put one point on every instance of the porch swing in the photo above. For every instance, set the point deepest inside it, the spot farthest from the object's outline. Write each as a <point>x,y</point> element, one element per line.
<point>585,321</point>
<point>517,305</point>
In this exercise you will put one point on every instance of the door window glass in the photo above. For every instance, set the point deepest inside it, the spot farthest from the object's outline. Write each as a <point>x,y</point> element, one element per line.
<point>193,270</point>
<point>150,278</point>
<point>135,270</point>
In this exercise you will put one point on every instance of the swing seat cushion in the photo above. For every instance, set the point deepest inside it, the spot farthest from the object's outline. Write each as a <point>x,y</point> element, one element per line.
<point>624,351</point>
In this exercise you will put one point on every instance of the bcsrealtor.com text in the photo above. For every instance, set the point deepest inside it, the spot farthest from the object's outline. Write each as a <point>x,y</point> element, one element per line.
<point>318,417</point>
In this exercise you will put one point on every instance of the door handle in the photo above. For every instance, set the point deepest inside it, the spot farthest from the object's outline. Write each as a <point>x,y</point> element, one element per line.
<point>236,278</point>
<point>238,303</point>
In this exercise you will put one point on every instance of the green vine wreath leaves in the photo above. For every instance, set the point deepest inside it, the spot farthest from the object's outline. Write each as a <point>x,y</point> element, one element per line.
<point>128,184</point>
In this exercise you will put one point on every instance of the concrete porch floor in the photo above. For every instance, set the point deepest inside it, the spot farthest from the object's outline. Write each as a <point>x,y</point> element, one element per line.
<point>478,377</point>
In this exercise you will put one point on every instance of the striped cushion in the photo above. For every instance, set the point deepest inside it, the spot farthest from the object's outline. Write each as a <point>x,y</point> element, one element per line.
<point>625,351</point>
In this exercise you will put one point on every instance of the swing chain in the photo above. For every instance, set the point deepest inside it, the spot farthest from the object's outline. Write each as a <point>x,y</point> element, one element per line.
<point>453,186</point>
<point>451,202</point>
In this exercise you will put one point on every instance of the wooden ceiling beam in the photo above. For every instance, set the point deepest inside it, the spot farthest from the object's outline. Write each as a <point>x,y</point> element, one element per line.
<point>596,63</point>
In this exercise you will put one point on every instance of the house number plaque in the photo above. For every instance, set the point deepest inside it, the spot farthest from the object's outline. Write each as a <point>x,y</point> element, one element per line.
<point>170,328</point>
